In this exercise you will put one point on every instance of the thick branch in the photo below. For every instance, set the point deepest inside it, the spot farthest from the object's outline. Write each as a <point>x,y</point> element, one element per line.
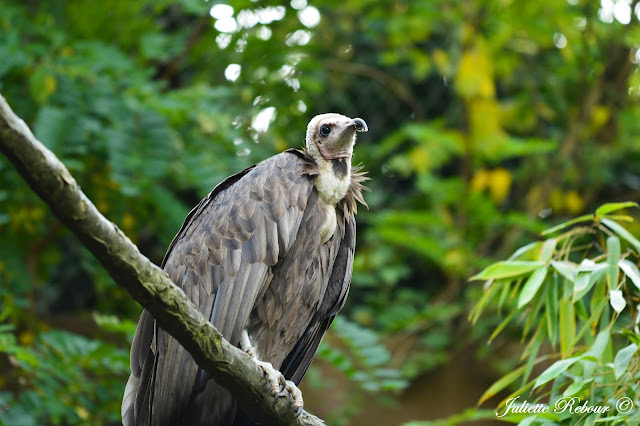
<point>147,283</point>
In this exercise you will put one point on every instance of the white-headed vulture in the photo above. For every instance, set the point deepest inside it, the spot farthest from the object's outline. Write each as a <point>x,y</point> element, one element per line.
<point>267,256</point>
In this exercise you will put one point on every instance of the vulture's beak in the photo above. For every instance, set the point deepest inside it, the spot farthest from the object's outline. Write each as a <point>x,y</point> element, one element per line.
<point>359,124</point>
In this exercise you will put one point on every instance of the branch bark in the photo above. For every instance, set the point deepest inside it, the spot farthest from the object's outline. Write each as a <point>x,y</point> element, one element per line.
<point>147,283</point>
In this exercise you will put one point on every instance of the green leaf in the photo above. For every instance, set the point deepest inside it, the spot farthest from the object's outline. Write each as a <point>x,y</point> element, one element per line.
<point>613,258</point>
<point>600,344</point>
<point>581,285</point>
<point>622,359</point>
<point>551,310</point>
<point>589,273</point>
<point>554,371</point>
<point>594,277</point>
<point>622,232</point>
<point>595,316</point>
<point>567,269</point>
<point>635,338</point>
<point>563,225</point>
<point>502,383</point>
<point>524,249</point>
<point>532,285</point>
<point>547,249</point>
<point>631,271</point>
<point>575,387</point>
<point>502,325</point>
<point>617,300</point>
<point>567,319</point>
<point>612,207</point>
<point>507,269</point>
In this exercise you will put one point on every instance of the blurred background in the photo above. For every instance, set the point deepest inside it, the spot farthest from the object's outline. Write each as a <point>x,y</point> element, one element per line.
<point>490,120</point>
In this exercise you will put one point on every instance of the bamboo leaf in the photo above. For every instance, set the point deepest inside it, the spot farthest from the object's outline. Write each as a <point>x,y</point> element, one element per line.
<point>547,250</point>
<point>622,232</point>
<point>622,359</point>
<point>617,300</point>
<point>551,310</point>
<point>631,271</point>
<point>600,344</point>
<point>567,269</point>
<point>612,207</point>
<point>524,249</point>
<point>507,269</point>
<point>567,319</point>
<point>502,325</point>
<point>554,371</point>
<point>595,316</point>
<point>575,387</point>
<point>581,287</point>
<point>613,258</point>
<point>583,218</point>
<point>532,286</point>
<point>502,383</point>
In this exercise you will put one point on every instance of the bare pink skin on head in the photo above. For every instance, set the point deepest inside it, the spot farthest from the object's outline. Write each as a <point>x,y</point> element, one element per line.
<point>332,136</point>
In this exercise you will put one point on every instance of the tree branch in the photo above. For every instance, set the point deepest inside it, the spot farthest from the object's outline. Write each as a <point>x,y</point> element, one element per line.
<point>147,283</point>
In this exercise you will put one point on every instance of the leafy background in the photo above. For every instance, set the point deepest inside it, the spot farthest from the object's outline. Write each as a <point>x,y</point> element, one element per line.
<point>490,120</point>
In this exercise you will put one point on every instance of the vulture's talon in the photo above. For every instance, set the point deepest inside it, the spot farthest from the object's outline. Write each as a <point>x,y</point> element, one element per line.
<point>296,394</point>
<point>298,412</point>
<point>273,376</point>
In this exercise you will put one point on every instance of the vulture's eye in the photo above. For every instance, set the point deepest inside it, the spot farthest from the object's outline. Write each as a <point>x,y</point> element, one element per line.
<point>325,130</point>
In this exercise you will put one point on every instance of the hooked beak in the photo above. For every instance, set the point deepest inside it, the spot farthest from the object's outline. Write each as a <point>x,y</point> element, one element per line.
<point>359,124</point>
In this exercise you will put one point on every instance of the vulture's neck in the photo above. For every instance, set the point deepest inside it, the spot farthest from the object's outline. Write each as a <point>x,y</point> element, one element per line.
<point>333,179</point>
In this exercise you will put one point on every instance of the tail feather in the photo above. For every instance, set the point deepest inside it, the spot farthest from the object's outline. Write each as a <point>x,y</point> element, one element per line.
<point>128,401</point>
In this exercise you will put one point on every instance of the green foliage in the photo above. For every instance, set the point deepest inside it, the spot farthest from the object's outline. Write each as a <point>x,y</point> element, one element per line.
<point>366,360</point>
<point>584,305</point>
<point>68,379</point>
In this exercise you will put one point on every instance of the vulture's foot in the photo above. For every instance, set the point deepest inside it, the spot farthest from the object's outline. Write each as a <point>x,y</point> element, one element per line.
<point>275,378</point>
<point>277,382</point>
<point>296,394</point>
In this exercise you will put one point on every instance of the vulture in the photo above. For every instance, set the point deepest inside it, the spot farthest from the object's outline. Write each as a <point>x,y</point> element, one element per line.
<point>267,256</point>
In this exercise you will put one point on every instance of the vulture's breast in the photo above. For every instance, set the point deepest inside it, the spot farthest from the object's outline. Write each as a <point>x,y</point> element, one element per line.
<point>329,226</point>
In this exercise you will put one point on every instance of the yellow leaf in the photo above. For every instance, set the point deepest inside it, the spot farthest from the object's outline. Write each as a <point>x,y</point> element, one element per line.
<point>454,259</point>
<point>484,125</point>
<point>500,184</point>
<point>419,159</point>
<point>50,85</point>
<point>364,317</point>
<point>441,60</point>
<point>574,202</point>
<point>556,200</point>
<point>475,74</point>
<point>533,196</point>
<point>26,338</point>
<point>103,206</point>
<point>207,124</point>
<point>480,180</point>
<point>82,412</point>
<point>281,144</point>
<point>128,221</point>
<point>600,116</point>
<point>67,51</point>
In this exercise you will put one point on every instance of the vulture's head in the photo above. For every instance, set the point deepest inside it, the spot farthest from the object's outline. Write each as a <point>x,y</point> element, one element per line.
<point>332,136</point>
